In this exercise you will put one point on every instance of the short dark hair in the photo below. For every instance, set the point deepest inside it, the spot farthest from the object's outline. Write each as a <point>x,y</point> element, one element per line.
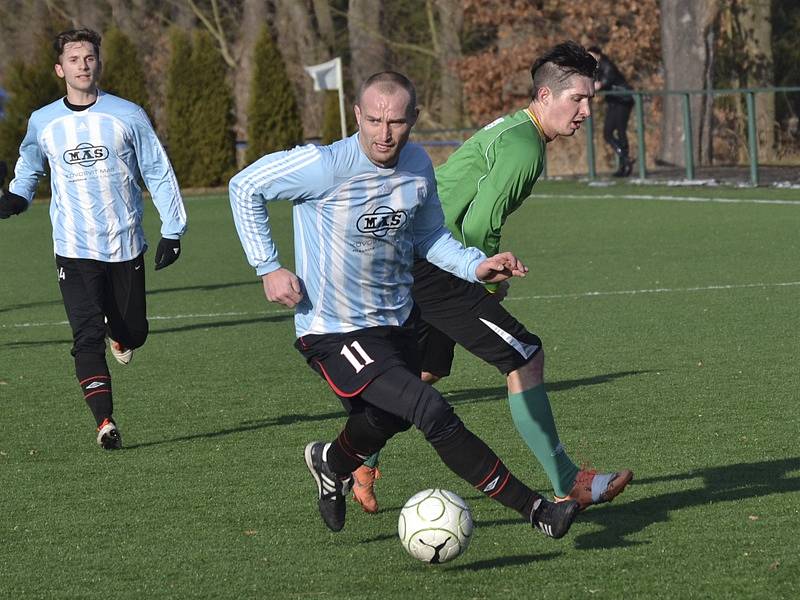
<point>558,64</point>
<point>388,82</point>
<point>76,35</point>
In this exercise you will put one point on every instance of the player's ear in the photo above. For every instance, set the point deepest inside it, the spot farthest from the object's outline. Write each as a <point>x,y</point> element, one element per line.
<point>357,111</point>
<point>543,94</point>
<point>59,70</point>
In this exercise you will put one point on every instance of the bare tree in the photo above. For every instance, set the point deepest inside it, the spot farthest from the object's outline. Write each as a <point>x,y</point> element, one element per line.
<point>300,45</point>
<point>447,45</point>
<point>254,16</point>
<point>755,21</point>
<point>367,45</point>
<point>685,26</point>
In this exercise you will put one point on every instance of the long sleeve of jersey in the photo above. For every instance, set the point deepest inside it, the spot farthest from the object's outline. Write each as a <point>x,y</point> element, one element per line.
<point>295,175</point>
<point>513,170</point>
<point>436,244</point>
<point>158,176</point>
<point>30,166</point>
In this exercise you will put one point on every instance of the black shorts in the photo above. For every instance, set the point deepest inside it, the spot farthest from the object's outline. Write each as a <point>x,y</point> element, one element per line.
<point>455,311</point>
<point>350,361</point>
<point>103,298</point>
<point>376,371</point>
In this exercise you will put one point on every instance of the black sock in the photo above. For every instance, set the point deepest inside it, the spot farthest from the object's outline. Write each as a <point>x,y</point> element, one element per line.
<point>470,458</point>
<point>357,441</point>
<point>95,381</point>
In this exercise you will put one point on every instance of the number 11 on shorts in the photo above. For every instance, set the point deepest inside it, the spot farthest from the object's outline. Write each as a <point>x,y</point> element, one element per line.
<point>353,359</point>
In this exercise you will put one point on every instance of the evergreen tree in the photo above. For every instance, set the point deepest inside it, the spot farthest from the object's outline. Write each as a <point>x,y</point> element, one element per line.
<point>122,73</point>
<point>273,119</point>
<point>214,144</point>
<point>29,87</point>
<point>180,101</point>
<point>331,122</point>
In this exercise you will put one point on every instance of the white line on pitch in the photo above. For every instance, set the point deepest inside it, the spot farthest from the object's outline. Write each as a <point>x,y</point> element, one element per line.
<point>665,198</point>
<point>704,288</point>
<point>161,318</point>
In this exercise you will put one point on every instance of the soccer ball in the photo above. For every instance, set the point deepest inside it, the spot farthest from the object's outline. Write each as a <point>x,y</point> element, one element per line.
<point>435,526</point>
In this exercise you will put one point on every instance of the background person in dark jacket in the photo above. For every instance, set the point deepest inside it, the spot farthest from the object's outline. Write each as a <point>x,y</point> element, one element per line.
<point>618,109</point>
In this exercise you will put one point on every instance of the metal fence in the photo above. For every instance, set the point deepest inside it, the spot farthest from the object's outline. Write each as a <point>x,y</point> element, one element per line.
<point>450,138</point>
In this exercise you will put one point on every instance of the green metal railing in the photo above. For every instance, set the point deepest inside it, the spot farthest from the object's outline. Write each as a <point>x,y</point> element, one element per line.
<point>638,98</point>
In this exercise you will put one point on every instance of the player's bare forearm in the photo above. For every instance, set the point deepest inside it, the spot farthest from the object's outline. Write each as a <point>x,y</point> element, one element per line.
<point>500,267</point>
<point>282,286</point>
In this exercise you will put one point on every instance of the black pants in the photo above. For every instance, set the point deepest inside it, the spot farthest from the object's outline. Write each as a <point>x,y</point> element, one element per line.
<point>103,298</point>
<point>615,127</point>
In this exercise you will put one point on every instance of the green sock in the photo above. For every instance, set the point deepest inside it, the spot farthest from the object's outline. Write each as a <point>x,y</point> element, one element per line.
<point>372,461</point>
<point>533,419</point>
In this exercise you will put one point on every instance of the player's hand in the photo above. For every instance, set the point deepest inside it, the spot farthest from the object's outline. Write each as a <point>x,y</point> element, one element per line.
<point>282,286</point>
<point>10,204</point>
<point>500,267</point>
<point>167,252</point>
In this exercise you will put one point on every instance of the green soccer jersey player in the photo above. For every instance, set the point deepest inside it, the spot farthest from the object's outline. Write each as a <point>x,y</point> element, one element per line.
<point>480,185</point>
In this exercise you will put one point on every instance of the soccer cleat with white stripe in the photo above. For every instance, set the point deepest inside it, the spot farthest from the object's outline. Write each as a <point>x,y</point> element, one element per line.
<point>108,437</point>
<point>331,490</point>
<point>554,518</point>
<point>122,354</point>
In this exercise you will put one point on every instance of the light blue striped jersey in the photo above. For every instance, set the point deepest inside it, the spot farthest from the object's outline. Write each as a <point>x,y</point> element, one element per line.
<point>96,156</point>
<point>357,228</point>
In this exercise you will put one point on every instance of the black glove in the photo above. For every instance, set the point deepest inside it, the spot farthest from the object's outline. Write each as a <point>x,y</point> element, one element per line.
<point>10,204</point>
<point>167,252</point>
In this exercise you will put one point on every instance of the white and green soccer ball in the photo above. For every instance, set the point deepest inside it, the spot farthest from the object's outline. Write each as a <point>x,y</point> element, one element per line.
<point>435,526</point>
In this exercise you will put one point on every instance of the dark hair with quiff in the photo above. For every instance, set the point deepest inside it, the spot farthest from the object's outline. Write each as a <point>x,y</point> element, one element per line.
<point>388,82</point>
<point>76,35</point>
<point>554,68</point>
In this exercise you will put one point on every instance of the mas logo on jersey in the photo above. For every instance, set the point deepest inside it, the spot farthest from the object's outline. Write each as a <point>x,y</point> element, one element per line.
<point>85,155</point>
<point>383,220</point>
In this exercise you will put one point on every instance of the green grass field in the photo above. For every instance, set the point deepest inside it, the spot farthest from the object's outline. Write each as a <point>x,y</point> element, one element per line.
<point>671,332</point>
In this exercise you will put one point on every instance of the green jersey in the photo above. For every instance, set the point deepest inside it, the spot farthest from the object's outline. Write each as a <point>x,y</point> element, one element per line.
<point>489,177</point>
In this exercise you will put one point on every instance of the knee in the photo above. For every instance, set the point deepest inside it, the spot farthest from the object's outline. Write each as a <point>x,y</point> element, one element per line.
<point>384,421</point>
<point>528,375</point>
<point>135,338</point>
<point>439,421</point>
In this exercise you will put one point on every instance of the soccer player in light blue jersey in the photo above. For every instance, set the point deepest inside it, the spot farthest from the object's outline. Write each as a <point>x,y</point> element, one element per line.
<point>97,147</point>
<point>363,208</point>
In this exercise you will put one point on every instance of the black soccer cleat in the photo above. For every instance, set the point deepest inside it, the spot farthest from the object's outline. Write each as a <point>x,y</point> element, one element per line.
<point>331,490</point>
<point>108,437</point>
<point>554,518</point>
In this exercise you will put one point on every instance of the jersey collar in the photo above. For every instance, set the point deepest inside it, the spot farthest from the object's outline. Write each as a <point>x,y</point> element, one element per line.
<point>535,122</point>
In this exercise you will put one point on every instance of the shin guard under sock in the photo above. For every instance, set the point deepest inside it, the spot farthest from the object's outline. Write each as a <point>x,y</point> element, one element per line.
<point>357,441</point>
<point>471,459</point>
<point>533,418</point>
<point>95,382</point>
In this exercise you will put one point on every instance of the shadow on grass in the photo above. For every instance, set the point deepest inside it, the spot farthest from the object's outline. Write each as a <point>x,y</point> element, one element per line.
<point>23,305</point>
<point>245,426</point>
<point>483,394</point>
<point>475,395</point>
<point>506,561</point>
<point>205,287</point>
<point>729,483</point>
<point>218,324</point>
